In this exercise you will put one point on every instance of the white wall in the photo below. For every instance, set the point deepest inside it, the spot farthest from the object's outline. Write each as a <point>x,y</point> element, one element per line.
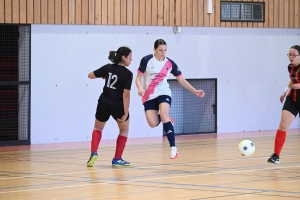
<point>250,65</point>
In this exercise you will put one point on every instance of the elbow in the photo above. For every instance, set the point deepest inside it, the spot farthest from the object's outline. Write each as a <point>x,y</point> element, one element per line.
<point>91,75</point>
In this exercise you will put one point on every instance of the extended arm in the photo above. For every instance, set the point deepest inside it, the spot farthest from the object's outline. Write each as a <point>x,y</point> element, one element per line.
<point>189,87</point>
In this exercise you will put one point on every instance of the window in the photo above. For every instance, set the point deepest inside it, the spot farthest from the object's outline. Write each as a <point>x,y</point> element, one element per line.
<point>242,11</point>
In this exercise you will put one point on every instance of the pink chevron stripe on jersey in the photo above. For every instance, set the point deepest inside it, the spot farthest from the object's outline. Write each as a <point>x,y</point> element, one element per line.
<point>158,78</point>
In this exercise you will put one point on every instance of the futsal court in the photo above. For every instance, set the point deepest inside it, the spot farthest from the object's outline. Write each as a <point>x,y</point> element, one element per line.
<point>208,167</point>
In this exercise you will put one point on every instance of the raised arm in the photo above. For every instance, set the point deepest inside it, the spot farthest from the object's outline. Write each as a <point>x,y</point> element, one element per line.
<point>189,87</point>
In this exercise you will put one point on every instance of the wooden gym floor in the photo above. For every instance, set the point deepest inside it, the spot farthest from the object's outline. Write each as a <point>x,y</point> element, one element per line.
<point>208,167</point>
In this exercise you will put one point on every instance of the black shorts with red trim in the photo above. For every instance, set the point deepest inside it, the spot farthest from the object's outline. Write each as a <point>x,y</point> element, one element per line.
<point>291,106</point>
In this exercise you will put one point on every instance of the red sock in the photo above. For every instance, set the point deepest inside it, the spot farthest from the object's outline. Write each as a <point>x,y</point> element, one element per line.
<point>279,141</point>
<point>121,142</point>
<point>96,137</point>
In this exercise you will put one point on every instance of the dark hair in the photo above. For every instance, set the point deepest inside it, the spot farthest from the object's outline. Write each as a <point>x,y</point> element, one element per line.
<point>159,42</point>
<point>296,47</point>
<point>116,56</point>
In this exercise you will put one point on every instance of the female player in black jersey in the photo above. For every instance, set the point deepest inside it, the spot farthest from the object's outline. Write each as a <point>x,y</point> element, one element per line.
<point>114,101</point>
<point>291,105</point>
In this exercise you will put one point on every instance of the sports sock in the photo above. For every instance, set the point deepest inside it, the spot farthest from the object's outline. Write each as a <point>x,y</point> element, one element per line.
<point>279,141</point>
<point>168,128</point>
<point>121,142</point>
<point>96,137</point>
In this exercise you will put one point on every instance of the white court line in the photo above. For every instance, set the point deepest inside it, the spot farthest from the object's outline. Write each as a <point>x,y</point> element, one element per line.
<point>148,179</point>
<point>130,168</point>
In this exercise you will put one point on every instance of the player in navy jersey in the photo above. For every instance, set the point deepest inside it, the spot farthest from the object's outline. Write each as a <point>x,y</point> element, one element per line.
<point>155,91</point>
<point>114,101</point>
<point>291,105</point>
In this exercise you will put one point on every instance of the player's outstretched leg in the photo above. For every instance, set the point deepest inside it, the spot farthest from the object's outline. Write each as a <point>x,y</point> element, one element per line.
<point>278,144</point>
<point>286,119</point>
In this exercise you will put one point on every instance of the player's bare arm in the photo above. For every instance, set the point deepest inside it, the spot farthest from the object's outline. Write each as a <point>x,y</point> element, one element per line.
<point>139,84</point>
<point>92,75</point>
<point>126,102</point>
<point>189,87</point>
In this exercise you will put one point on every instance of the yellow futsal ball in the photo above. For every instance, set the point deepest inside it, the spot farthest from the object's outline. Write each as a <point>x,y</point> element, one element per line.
<point>246,148</point>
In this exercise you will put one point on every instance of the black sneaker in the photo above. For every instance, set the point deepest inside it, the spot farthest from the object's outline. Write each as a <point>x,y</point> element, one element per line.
<point>274,159</point>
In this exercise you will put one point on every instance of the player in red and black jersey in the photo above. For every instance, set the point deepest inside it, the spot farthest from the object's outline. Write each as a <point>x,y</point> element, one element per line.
<point>291,105</point>
<point>114,101</point>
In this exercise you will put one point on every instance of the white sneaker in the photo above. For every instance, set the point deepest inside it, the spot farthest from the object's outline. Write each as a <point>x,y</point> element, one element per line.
<point>173,153</point>
<point>172,121</point>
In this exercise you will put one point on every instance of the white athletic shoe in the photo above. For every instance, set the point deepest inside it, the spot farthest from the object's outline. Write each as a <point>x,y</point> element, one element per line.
<point>172,121</point>
<point>173,153</point>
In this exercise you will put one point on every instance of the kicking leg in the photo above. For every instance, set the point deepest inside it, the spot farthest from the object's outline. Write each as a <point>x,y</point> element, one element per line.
<point>285,122</point>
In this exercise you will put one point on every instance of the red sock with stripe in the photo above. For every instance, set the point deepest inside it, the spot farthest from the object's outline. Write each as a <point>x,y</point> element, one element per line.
<point>120,146</point>
<point>279,141</point>
<point>96,137</point>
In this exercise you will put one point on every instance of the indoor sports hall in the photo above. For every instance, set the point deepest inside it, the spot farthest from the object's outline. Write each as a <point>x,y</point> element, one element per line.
<point>239,52</point>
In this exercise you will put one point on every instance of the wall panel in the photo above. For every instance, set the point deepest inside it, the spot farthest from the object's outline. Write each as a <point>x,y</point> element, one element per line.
<point>278,13</point>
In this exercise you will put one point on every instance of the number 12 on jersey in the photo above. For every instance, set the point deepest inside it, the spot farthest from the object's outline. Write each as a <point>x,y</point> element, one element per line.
<point>112,77</point>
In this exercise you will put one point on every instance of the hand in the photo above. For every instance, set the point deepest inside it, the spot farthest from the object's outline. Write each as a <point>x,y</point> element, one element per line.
<point>123,118</point>
<point>282,97</point>
<point>141,92</point>
<point>296,86</point>
<point>199,93</point>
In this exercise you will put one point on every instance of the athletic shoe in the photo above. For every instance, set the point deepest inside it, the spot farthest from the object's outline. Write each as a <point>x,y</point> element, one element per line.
<point>173,153</point>
<point>274,159</point>
<point>120,162</point>
<point>172,121</point>
<point>93,158</point>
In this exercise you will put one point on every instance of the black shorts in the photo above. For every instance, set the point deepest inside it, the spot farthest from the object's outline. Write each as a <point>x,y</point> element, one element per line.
<point>291,106</point>
<point>105,110</point>
<point>153,104</point>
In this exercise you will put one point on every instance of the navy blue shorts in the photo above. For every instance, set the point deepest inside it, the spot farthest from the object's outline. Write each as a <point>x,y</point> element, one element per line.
<point>291,106</point>
<point>105,110</point>
<point>153,104</point>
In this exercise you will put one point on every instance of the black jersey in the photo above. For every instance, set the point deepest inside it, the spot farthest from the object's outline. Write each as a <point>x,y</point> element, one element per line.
<point>295,77</point>
<point>117,78</point>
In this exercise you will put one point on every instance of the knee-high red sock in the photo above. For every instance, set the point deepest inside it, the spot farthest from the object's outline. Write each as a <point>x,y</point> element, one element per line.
<point>279,141</point>
<point>96,137</point>
<point>121,142</point>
